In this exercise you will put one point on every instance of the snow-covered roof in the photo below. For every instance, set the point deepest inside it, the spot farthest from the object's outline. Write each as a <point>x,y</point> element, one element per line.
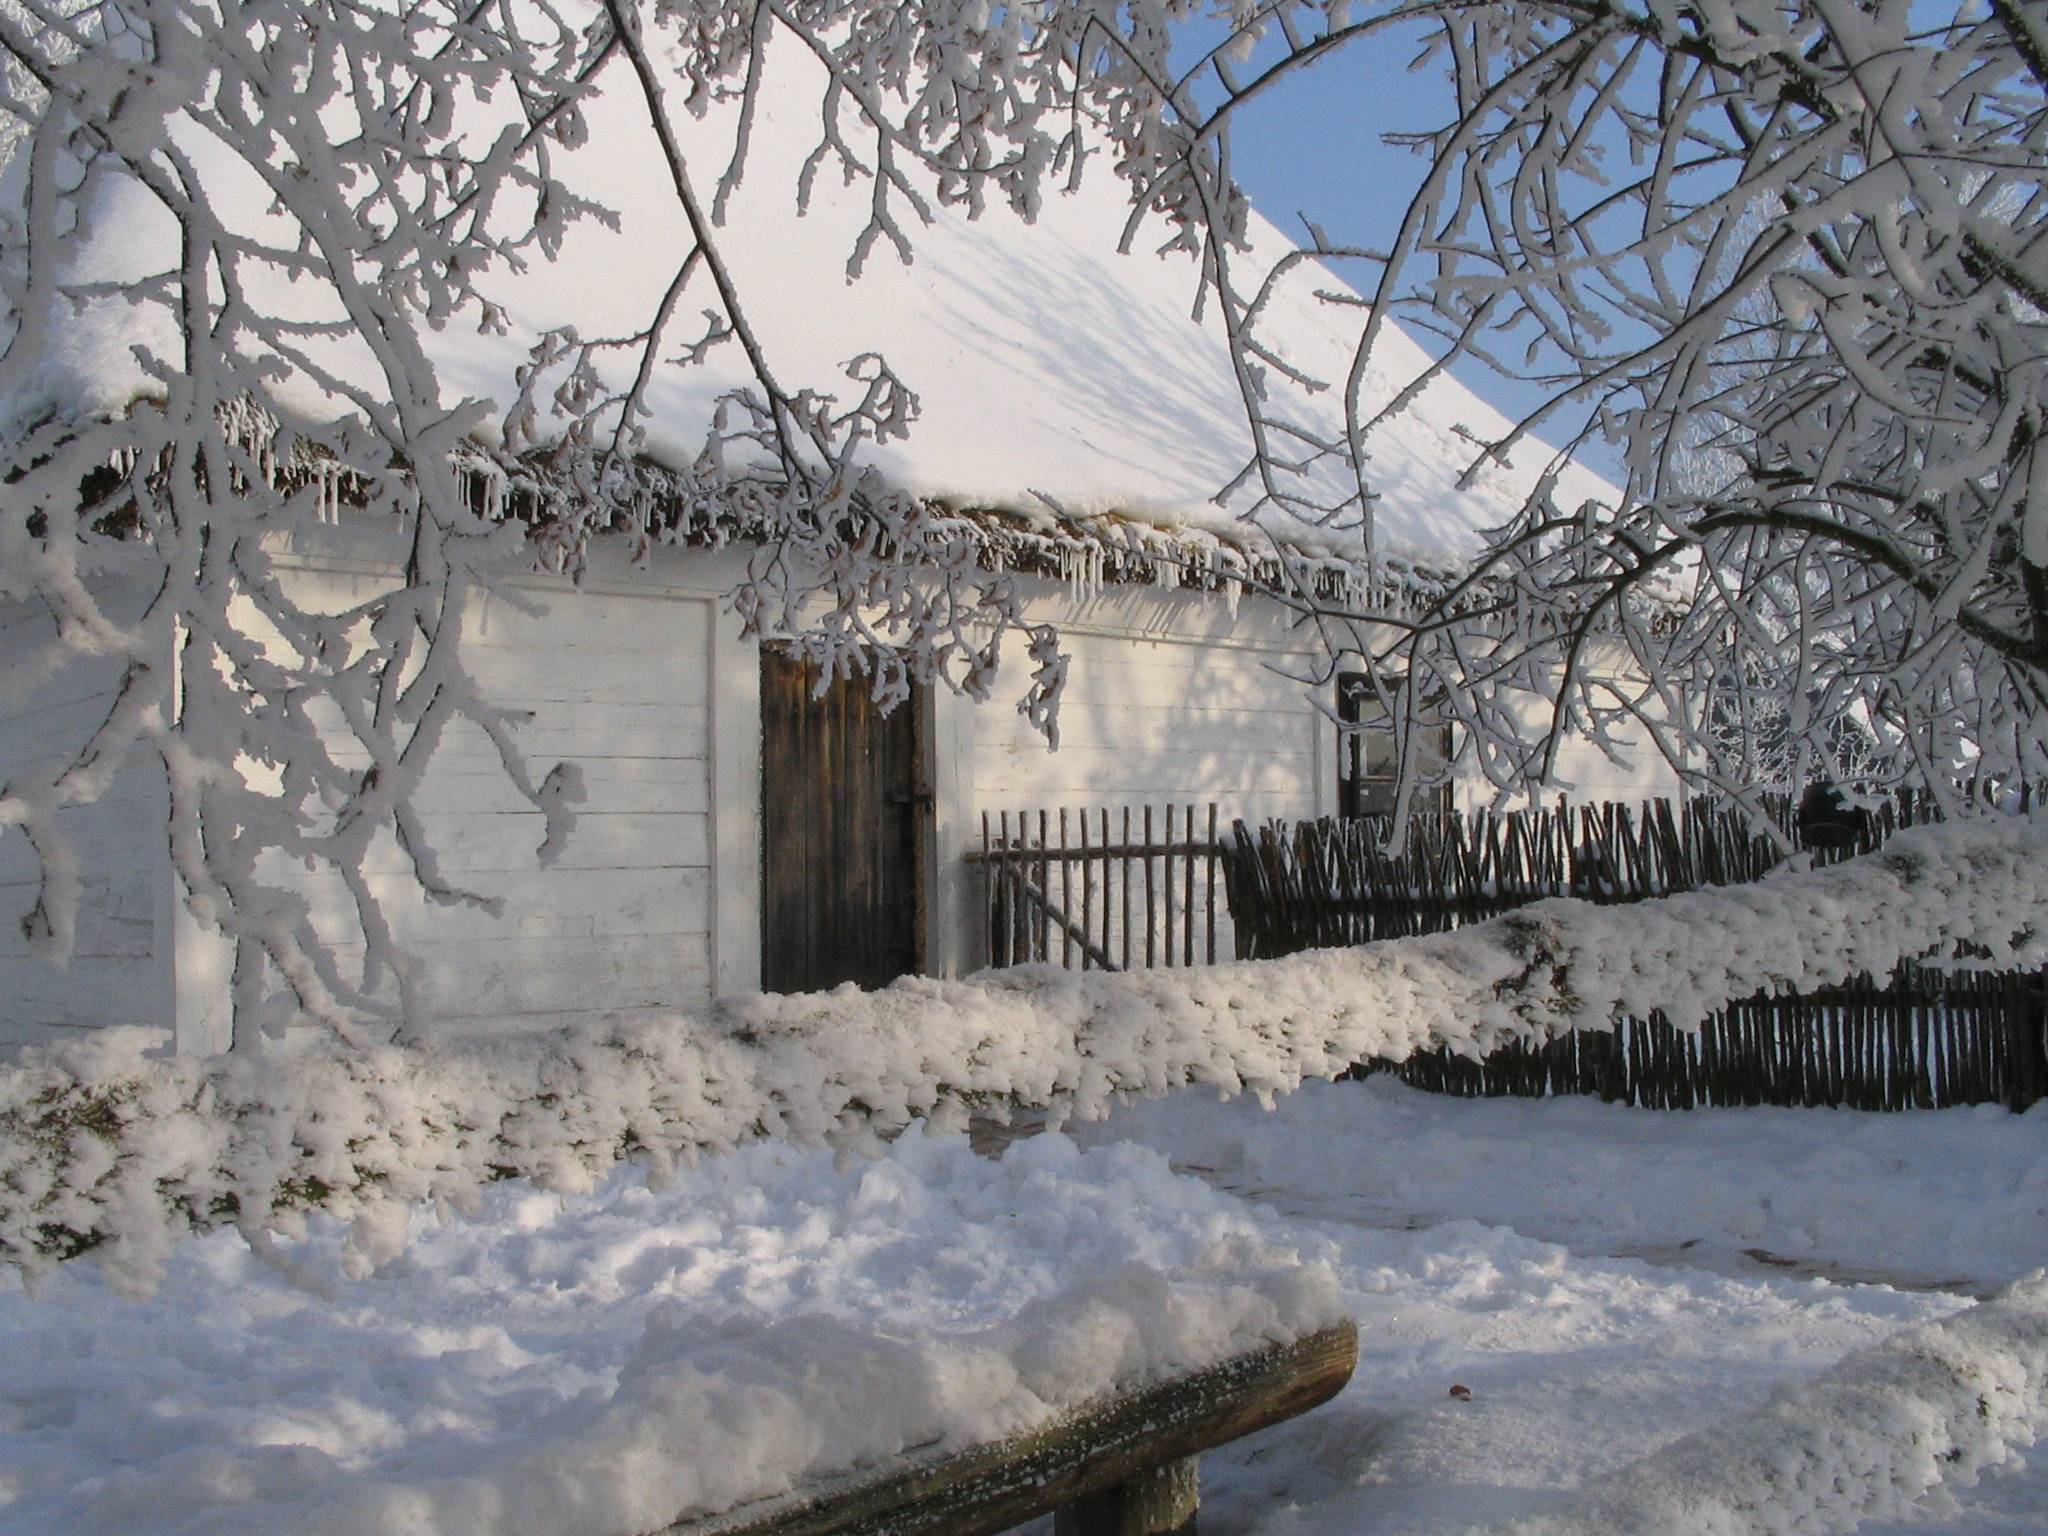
<point>1047,364</point>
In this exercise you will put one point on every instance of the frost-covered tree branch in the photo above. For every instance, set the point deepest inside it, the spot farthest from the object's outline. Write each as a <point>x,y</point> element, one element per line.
<point>1792,258</point>
<point>317,191</point>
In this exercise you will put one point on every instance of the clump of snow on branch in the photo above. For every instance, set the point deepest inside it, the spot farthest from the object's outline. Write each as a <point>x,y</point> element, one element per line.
<point>105,1147</point>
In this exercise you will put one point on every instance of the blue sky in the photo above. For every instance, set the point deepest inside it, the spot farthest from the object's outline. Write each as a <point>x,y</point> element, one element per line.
<point>1315,146</point>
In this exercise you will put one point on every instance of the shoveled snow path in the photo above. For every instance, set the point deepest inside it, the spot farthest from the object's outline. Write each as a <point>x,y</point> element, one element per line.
<point>1659,1320</point>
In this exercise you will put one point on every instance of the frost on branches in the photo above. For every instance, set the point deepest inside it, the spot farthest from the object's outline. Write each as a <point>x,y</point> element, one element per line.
<point>1792,257</point>
<point>345,181</point>
<point>105,1148</point>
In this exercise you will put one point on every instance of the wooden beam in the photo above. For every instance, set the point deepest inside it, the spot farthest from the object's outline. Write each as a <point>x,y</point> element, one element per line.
<point>1132,1436</point>
<point>1161,1502</point>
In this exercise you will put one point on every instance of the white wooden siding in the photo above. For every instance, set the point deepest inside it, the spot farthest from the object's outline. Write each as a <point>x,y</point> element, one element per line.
<point>619,683</point>
<point>117,973</point>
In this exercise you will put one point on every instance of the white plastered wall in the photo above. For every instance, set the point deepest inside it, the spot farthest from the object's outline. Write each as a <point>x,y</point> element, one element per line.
<point>1172,698</point>
<point>1636,771</point>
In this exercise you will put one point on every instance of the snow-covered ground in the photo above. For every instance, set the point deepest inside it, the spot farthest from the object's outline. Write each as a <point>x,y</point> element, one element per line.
<point>1585,1272</point>
<point>597,1365</point>
<point>1956,1200</point>
<point>1603,1280</point>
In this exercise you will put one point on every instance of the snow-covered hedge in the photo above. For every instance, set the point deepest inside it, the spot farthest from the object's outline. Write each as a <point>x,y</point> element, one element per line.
<point>104,1146</point>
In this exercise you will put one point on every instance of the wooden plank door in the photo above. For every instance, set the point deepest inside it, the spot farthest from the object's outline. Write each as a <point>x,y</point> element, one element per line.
<point>843,813</point>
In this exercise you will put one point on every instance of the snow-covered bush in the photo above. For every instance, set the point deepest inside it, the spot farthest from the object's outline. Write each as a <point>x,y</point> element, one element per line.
<point>107,1147</point>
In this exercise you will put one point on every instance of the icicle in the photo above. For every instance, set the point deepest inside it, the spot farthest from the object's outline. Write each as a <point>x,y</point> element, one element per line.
<point>1081,567</point>
<point>485,488</point>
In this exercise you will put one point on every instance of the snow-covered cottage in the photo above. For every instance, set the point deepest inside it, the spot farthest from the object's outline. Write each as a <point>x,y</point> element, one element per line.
<point>735,831</point>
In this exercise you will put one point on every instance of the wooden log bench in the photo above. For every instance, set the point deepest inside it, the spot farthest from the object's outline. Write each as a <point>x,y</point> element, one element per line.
<point>1124,1466</point>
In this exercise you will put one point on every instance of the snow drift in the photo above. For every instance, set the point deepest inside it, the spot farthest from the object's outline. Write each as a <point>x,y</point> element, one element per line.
<point>1936,1404</point>
<point>650,1353</point>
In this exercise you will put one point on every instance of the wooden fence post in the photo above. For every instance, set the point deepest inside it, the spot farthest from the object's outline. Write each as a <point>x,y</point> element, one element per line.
<point>2026,999</point>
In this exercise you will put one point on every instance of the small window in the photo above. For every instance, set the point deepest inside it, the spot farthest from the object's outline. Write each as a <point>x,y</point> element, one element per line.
<point>1369,761</point>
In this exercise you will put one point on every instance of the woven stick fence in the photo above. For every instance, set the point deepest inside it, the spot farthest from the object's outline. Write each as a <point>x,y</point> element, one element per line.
<point>1923,1038</point>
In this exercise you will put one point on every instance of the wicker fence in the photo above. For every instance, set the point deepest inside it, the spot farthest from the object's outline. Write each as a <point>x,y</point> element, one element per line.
<point>1923,1038</point>
<point>1327,882</point>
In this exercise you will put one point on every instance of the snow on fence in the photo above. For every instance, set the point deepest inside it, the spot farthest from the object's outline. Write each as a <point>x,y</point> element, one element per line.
<point>1101,889</point>
<point>1927,1037</point>
<point>106,1146</point>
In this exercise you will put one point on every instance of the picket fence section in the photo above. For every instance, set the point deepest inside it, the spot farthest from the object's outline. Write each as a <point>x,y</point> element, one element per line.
<point>1102,888</point>
<point>1319,883</point>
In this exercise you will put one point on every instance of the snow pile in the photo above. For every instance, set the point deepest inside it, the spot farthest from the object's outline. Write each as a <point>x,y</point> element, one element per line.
<point>600,1369</point>
<point>1937,1404</point>
<point>103,1146</point>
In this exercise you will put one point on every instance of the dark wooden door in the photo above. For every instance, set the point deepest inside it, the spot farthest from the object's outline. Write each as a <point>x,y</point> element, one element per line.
<point>842,829</point>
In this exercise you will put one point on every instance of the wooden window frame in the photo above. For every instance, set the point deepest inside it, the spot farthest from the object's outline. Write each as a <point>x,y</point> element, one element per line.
<point>1360,790</point>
